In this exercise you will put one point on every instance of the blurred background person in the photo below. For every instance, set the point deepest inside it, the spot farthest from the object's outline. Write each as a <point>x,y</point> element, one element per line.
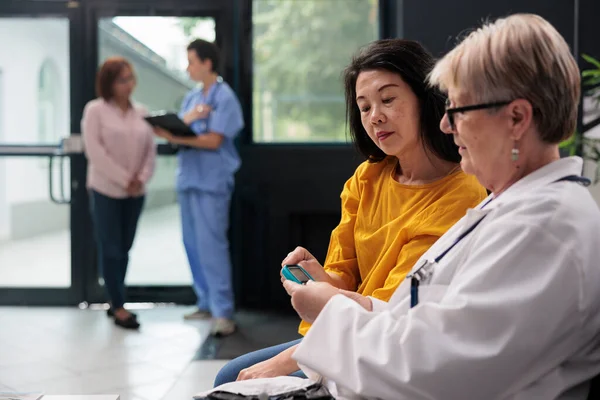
<point>205,180</point>
<point>121,154</point>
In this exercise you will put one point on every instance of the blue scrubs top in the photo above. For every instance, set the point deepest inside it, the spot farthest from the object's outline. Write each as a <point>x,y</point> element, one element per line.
<point>211,170</point>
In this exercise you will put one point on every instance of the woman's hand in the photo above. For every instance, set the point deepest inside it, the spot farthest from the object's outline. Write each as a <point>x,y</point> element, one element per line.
<point>199,112</point>
<point>301,256</point>
<point>308,300</point>
<point>135,188</point>
<point>281,365</point>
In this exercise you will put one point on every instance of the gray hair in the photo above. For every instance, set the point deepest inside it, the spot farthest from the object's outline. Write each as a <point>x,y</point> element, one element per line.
<point>519,57</point>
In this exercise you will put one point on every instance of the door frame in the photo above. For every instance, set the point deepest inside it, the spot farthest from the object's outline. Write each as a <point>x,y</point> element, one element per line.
<point>222,12</point>
<point>74,293</point>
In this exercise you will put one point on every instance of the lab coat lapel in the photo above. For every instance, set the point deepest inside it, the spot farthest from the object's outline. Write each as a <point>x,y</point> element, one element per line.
<point>470,219</point>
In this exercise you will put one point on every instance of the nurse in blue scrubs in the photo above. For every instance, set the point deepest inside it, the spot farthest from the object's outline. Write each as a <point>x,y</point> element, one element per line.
<point>205,181</point>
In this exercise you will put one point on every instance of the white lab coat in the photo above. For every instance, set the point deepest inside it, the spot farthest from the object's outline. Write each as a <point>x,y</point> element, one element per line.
<point>512,312</point>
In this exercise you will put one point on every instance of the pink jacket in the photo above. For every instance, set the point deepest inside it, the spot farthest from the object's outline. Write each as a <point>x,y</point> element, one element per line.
<point>119,146</point>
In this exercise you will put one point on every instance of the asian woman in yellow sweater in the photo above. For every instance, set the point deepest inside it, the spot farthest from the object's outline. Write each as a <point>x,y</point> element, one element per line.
<point>408,192</point>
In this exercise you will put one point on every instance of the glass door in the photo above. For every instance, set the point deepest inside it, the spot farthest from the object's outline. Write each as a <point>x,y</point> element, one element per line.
<point>39,184</point>
<point>154,39</point>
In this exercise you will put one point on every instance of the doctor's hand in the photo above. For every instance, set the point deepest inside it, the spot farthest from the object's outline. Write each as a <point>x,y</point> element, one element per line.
<point>362,301</point>
<point>301,256</point>
<point>309,300</point>
<point>199,112</point>
<point>163,133</point>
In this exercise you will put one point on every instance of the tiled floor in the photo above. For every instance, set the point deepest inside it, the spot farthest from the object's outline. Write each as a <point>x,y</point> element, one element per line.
<point>72,351</point>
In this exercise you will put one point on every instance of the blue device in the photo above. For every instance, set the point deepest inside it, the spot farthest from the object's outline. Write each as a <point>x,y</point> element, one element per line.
<point>296,273</point>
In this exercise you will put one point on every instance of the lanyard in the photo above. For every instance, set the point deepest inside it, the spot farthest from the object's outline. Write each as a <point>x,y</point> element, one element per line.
<point>213,95</point>
<point>210,100</point>
<point>425,269</point>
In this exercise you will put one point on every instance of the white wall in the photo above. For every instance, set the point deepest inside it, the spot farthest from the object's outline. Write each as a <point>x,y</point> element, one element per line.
<point>26,44</point>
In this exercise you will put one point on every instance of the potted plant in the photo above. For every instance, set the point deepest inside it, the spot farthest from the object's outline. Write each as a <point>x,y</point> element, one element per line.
<point>591,138</point>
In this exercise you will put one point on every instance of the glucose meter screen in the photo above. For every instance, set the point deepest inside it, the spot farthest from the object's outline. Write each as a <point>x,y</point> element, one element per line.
<point>298,274</point>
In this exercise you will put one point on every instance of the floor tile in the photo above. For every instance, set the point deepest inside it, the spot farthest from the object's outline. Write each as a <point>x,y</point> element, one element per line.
<point>89,361</point>
<point>155,391</point>
<point>4,388</point>
<point>20,376</point>
<point>198,376</point>
<point>130,396</point>
<point>68,351</point>
<point>12,356</point>
<point>177,363</point>
<point>186,389</point>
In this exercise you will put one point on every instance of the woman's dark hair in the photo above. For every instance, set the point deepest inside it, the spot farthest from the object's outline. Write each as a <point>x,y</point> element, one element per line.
<point>206,50</point>
<point>413,63</point>
<point>108,74</point>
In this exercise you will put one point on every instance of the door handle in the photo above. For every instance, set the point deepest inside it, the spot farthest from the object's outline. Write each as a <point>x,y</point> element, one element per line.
<point>69,145</point>
<point>62,199</point>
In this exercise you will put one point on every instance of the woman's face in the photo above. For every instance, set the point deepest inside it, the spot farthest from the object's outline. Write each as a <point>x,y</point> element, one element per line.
<point>124,84</point>
<point>389,111</point>
<point>483,138</point>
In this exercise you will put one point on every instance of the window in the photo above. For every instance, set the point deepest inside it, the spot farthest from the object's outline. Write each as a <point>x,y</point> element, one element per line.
<point>157,49</point>
<point>35,245</point>
<point>300,49</point>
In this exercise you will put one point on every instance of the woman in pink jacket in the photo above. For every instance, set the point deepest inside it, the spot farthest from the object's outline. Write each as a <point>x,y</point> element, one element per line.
<point>120,149</point>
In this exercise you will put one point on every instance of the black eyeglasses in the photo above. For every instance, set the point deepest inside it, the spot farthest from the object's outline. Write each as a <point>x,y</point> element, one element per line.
<point>451,111</point>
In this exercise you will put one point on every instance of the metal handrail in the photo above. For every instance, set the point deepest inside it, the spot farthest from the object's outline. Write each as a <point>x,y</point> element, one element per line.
<point>68,147</point>
<point>63,199</point>
<point>29,150</point>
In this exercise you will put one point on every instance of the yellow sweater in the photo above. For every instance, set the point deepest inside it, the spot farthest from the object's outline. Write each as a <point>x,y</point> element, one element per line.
<point>386,226</point>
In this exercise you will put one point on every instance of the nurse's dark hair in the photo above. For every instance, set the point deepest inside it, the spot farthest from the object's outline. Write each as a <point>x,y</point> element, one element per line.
<point>206,50</point>
<point>412,62</point>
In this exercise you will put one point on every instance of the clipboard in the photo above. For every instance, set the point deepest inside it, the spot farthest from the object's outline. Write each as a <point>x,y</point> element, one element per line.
<point>170,122</point>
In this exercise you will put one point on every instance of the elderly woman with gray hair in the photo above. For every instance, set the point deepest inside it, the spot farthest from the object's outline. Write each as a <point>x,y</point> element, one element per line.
<point>505,305</point>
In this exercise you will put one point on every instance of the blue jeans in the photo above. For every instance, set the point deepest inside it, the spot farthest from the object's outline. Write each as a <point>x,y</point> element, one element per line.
<point>231,370</point>
<point>115,223</point>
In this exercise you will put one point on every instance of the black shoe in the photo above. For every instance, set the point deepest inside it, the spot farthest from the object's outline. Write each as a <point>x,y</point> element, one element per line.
<point>128,323</point>
<point>111,313</point>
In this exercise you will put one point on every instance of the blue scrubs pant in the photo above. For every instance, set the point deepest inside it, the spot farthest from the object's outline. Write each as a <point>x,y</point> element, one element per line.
<point>205,222</point>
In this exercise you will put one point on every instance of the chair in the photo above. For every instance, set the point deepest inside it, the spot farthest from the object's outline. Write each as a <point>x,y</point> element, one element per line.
<point>594,393</point>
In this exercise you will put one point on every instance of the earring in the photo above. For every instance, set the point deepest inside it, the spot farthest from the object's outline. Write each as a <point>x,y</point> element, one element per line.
<point>514,153</point>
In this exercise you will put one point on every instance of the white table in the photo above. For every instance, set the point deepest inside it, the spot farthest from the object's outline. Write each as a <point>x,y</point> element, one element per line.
<point>82,397</point>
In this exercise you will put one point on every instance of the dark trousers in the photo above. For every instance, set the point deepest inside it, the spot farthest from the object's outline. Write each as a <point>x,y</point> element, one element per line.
<point>115,223</point>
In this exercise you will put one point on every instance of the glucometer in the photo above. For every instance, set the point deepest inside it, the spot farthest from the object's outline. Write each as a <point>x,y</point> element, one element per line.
<point>296,274</point>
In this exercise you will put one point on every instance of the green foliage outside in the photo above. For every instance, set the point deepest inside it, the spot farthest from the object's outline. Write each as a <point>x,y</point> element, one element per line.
<point>300,50</point>
<point>591,79</point>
